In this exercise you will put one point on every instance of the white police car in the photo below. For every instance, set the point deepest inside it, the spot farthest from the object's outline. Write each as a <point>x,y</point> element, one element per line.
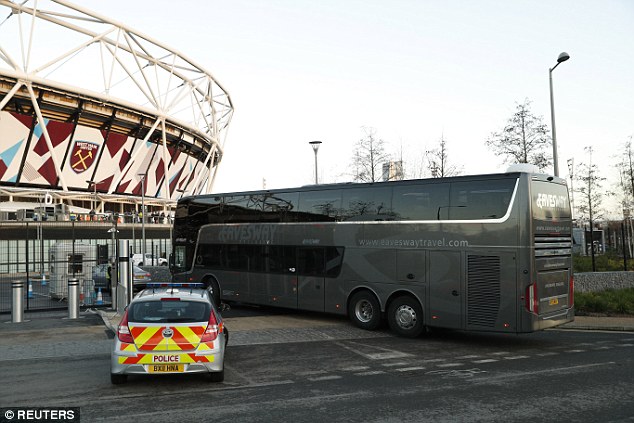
<point>168,329</point>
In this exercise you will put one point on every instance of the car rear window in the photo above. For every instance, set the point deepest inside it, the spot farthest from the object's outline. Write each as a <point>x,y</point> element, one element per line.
<point>169,312</point>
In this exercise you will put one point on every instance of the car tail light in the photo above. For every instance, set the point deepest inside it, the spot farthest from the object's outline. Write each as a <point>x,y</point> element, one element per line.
<point>123,331</point>
<point>213,329</point>
<point>532,300</point>
<point>571,292</point>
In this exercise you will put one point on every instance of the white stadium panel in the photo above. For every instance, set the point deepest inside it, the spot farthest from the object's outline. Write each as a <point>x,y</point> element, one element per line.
<point>88,104</point>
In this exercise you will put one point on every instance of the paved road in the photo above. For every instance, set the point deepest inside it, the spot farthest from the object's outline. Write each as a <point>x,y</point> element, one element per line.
<point>306,368</point>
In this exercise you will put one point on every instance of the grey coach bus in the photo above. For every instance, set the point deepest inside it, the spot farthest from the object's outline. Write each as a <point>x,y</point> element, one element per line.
<point>487,252</point>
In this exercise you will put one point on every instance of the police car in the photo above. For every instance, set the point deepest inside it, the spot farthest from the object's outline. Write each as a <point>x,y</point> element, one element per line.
<point>168,329</point>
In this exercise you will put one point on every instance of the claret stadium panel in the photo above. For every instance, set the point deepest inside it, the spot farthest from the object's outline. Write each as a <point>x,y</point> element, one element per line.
<point>93,110</point>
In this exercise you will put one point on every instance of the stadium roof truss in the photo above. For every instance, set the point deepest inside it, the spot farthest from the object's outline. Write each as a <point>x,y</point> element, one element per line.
<point>94,106</point>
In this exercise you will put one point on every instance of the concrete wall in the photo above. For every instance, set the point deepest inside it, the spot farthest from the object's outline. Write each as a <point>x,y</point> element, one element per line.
<point>600,281</point>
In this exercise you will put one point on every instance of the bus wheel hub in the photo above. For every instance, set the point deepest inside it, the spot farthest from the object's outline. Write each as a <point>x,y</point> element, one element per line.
<point>406,316</point>
<point>364,311</point>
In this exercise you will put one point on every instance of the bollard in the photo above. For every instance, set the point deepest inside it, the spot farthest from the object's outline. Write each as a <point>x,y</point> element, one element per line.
<point>124,289</point>
<point>73,298</point>
<point>17,307</point>
<point>30,292</point>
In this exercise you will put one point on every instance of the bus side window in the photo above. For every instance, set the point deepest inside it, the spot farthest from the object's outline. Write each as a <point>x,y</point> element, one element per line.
<point>480,199</point>
<point>321,205</point>
<point>421,202</point>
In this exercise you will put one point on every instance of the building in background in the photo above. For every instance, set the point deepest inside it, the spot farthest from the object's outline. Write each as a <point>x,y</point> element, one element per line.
<point>100,118</point>
<point>393,171</point>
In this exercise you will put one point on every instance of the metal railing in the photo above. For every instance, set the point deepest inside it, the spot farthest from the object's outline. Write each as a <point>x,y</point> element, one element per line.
<point>45,255</point>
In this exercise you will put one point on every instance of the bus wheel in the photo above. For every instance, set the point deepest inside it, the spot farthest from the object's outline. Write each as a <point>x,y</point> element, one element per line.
<point>365,311</point>
<point>212,286</point>
<point>405,316</point>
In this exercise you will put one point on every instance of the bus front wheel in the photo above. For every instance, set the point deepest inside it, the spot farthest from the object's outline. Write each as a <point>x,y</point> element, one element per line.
<point>405,316</point>
<point>212,286</point>
<point>365,311</point>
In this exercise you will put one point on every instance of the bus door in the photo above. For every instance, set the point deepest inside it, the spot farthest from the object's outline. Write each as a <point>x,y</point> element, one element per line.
<point>311,289</point>
<point>280,277</point>
<point>445,289</point>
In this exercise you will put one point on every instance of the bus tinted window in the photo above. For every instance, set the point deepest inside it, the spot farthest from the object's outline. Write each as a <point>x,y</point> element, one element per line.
<point>308,261</point>
<point>280,258</point>
<point>476,200</point>
<point>321,203</point>
<point>282,205</point>
<point>366,204</point>
<point>420,202</point>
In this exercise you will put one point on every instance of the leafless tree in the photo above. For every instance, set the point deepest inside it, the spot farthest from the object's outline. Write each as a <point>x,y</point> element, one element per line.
<point>438,161</point>
<point>524,138</point>
<point>590,195</point>
<point>626,187</point>
<point>368,157</point>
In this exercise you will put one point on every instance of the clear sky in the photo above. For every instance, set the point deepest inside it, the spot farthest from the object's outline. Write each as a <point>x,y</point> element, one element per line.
<point>414,70</point>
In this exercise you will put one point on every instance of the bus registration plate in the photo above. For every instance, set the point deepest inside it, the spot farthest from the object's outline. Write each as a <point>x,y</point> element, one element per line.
<point>165,368</point>
<point>553,301</point>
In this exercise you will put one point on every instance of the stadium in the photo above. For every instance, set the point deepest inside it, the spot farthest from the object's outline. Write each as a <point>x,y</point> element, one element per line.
<point>97,118</point>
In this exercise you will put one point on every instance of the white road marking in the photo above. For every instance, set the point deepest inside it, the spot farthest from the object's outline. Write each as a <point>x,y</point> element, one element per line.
<point>410,369</point>
<point>322,378</point>
<point>370,373</point>
<point>384,354</point>
<point>516,357</point>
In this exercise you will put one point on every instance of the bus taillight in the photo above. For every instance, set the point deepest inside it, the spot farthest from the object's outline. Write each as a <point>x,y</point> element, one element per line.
<point>532,300</point>
<point>571,292</point>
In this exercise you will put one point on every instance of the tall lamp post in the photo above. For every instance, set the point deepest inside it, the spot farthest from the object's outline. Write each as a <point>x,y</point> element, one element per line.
<point>571,170</point>
<point>315,145</point>
<point>562,58</point>
<point>142,175</point>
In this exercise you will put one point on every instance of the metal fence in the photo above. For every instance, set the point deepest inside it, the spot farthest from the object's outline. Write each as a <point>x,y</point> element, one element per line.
<point>44,255</point>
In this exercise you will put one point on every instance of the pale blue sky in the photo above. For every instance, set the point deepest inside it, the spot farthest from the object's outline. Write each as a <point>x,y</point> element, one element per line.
<point>299,71</point>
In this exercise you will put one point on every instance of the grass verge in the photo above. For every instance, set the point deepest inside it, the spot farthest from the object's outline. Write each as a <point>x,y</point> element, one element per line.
<point>610,301</point>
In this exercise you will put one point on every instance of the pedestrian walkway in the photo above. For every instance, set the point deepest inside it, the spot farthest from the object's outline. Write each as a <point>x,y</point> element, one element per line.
<point>625,323</point>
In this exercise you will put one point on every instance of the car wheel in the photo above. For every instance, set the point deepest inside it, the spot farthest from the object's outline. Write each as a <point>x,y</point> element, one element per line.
<point>365,311</point>
<point>217,376</point>
<point>118,379</point>
<point>405,316</point>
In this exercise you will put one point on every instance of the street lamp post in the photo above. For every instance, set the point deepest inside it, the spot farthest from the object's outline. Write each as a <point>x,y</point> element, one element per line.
<point>142,175</point>
<point>315,145</point>
<point>571,169</point>
<point>562,58</point>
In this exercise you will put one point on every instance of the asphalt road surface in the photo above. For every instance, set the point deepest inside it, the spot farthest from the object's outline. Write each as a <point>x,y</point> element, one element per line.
<point>309,368</point>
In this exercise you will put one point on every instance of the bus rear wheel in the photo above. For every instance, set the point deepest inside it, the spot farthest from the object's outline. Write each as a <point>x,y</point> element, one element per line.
<point>405,316</point>
<point>365,311</point>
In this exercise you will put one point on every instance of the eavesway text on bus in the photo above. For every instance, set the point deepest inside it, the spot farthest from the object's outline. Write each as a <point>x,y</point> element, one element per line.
<point>551,201</point>
<point>257,234</point>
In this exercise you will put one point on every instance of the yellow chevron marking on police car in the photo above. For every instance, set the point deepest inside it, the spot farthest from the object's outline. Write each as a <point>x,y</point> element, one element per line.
<point>128,347</point>
<point>191,336</point>
<point>144,336</point>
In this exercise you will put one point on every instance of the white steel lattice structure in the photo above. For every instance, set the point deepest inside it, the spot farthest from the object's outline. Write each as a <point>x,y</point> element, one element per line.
<point>91,109</point>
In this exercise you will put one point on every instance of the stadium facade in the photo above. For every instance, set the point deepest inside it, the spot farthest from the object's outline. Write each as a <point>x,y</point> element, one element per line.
<point>97,116</point>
